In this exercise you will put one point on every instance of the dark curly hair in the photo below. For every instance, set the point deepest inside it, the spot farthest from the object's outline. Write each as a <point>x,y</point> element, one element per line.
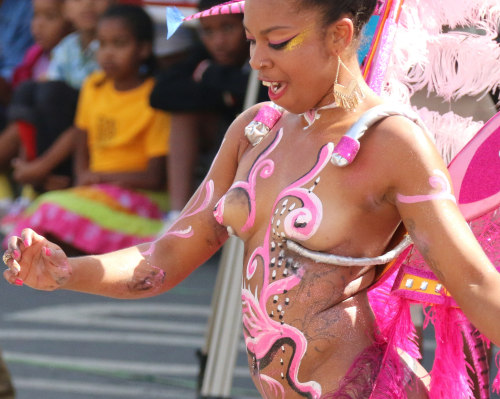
<point>359,10</point>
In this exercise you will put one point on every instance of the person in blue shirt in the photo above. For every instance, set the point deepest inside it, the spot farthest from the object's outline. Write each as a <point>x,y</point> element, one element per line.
<point>15,38</point>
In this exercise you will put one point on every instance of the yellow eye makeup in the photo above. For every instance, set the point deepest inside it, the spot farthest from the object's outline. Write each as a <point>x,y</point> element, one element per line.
<point>296,42</point>
<point>290,44</point>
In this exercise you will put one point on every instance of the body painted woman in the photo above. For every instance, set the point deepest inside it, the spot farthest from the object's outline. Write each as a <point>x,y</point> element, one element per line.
<point>309,329</point>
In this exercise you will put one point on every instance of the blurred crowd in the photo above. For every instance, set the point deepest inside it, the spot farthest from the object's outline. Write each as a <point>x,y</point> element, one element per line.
<point>106,128</point>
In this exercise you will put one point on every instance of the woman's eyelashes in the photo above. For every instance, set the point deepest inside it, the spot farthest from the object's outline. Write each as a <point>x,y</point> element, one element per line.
<point>280,45</point>
<point>275,46</point>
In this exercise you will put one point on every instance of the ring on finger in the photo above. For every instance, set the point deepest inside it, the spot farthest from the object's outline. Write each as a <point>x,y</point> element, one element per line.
<point>6,257</point>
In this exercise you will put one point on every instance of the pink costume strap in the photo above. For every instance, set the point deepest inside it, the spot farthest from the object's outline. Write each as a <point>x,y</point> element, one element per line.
<point>268,115</point>
<point>266,118</point>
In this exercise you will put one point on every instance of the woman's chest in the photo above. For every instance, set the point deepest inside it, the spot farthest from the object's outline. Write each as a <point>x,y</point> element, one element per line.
<point>287,190</point>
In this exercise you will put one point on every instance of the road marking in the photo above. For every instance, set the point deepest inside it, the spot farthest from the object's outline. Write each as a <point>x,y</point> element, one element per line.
<point>104,336</point>
<point>127,308</point>
<point>94,389</point>
<point>112,316</point>
<point>115,337</point>
<point>110,366</point>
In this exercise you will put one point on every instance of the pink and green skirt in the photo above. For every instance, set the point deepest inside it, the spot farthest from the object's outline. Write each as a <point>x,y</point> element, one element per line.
<point>96,219</point>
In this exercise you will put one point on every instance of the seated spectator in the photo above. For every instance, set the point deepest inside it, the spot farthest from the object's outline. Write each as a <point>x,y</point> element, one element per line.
<point>43,110</point>
<point>204,94</point>
<point>15,39</point>
<point>48,27</point>
<point>121,148</point>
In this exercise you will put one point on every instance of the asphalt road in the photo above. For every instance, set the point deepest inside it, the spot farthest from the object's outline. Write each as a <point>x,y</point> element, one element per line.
<point>64,345</point>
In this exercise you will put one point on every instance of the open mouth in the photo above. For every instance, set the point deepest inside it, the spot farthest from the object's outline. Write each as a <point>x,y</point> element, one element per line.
<point>274,86</point>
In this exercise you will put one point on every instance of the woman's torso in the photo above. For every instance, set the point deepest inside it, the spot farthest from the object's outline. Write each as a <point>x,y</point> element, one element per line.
<point>305,322</point>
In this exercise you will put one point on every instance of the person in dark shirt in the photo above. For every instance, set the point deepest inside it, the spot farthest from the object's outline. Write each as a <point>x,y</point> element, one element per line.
<point>204,93</point>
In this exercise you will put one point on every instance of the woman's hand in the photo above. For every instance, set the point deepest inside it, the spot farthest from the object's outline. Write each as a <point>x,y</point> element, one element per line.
<point>36,262</point>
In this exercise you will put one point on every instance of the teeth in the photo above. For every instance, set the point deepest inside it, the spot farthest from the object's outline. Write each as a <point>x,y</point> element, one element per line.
<point>273,85</point>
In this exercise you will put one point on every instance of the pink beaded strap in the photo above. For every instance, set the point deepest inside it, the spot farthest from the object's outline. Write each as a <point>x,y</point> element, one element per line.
<point>264,121</point>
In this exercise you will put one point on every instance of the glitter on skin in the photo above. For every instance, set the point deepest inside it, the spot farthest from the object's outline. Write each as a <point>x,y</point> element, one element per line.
<point>297,41</point>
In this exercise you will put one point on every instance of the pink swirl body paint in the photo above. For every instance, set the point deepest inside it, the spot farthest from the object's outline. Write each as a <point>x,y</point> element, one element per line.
<point>438,180</point>
<point>261,331</point>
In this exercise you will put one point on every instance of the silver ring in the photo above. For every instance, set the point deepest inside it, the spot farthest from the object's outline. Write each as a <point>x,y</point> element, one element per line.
<point>6,257</point>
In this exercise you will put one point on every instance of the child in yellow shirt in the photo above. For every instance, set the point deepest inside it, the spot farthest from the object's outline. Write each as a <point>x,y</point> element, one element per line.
<point>121,147</point>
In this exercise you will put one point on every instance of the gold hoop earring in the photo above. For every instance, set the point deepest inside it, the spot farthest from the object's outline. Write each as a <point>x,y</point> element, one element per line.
<point>347,97</point>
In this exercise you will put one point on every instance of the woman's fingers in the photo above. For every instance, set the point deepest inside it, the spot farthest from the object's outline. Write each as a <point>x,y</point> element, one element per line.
<point>44,265</point>
<point>29,237</point>
<point>13,254</point>
<point>14,247</point>
<point>12,278</point>
<point>15,250</point>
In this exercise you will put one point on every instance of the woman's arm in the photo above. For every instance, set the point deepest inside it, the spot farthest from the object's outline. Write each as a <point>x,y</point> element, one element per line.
<point>421,190</point>
<point>146,269</point>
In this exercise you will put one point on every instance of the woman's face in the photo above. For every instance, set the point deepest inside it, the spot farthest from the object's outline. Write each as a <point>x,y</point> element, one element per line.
<point>290,51</point>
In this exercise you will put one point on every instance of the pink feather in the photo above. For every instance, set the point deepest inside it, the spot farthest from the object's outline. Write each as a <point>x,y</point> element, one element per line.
<point>450,131</point>
<point>432,58</point>
<point>449,377</point>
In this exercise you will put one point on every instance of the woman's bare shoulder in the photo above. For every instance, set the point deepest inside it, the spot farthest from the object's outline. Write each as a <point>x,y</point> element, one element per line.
<point>405,153</point>
<point>400,138</point>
